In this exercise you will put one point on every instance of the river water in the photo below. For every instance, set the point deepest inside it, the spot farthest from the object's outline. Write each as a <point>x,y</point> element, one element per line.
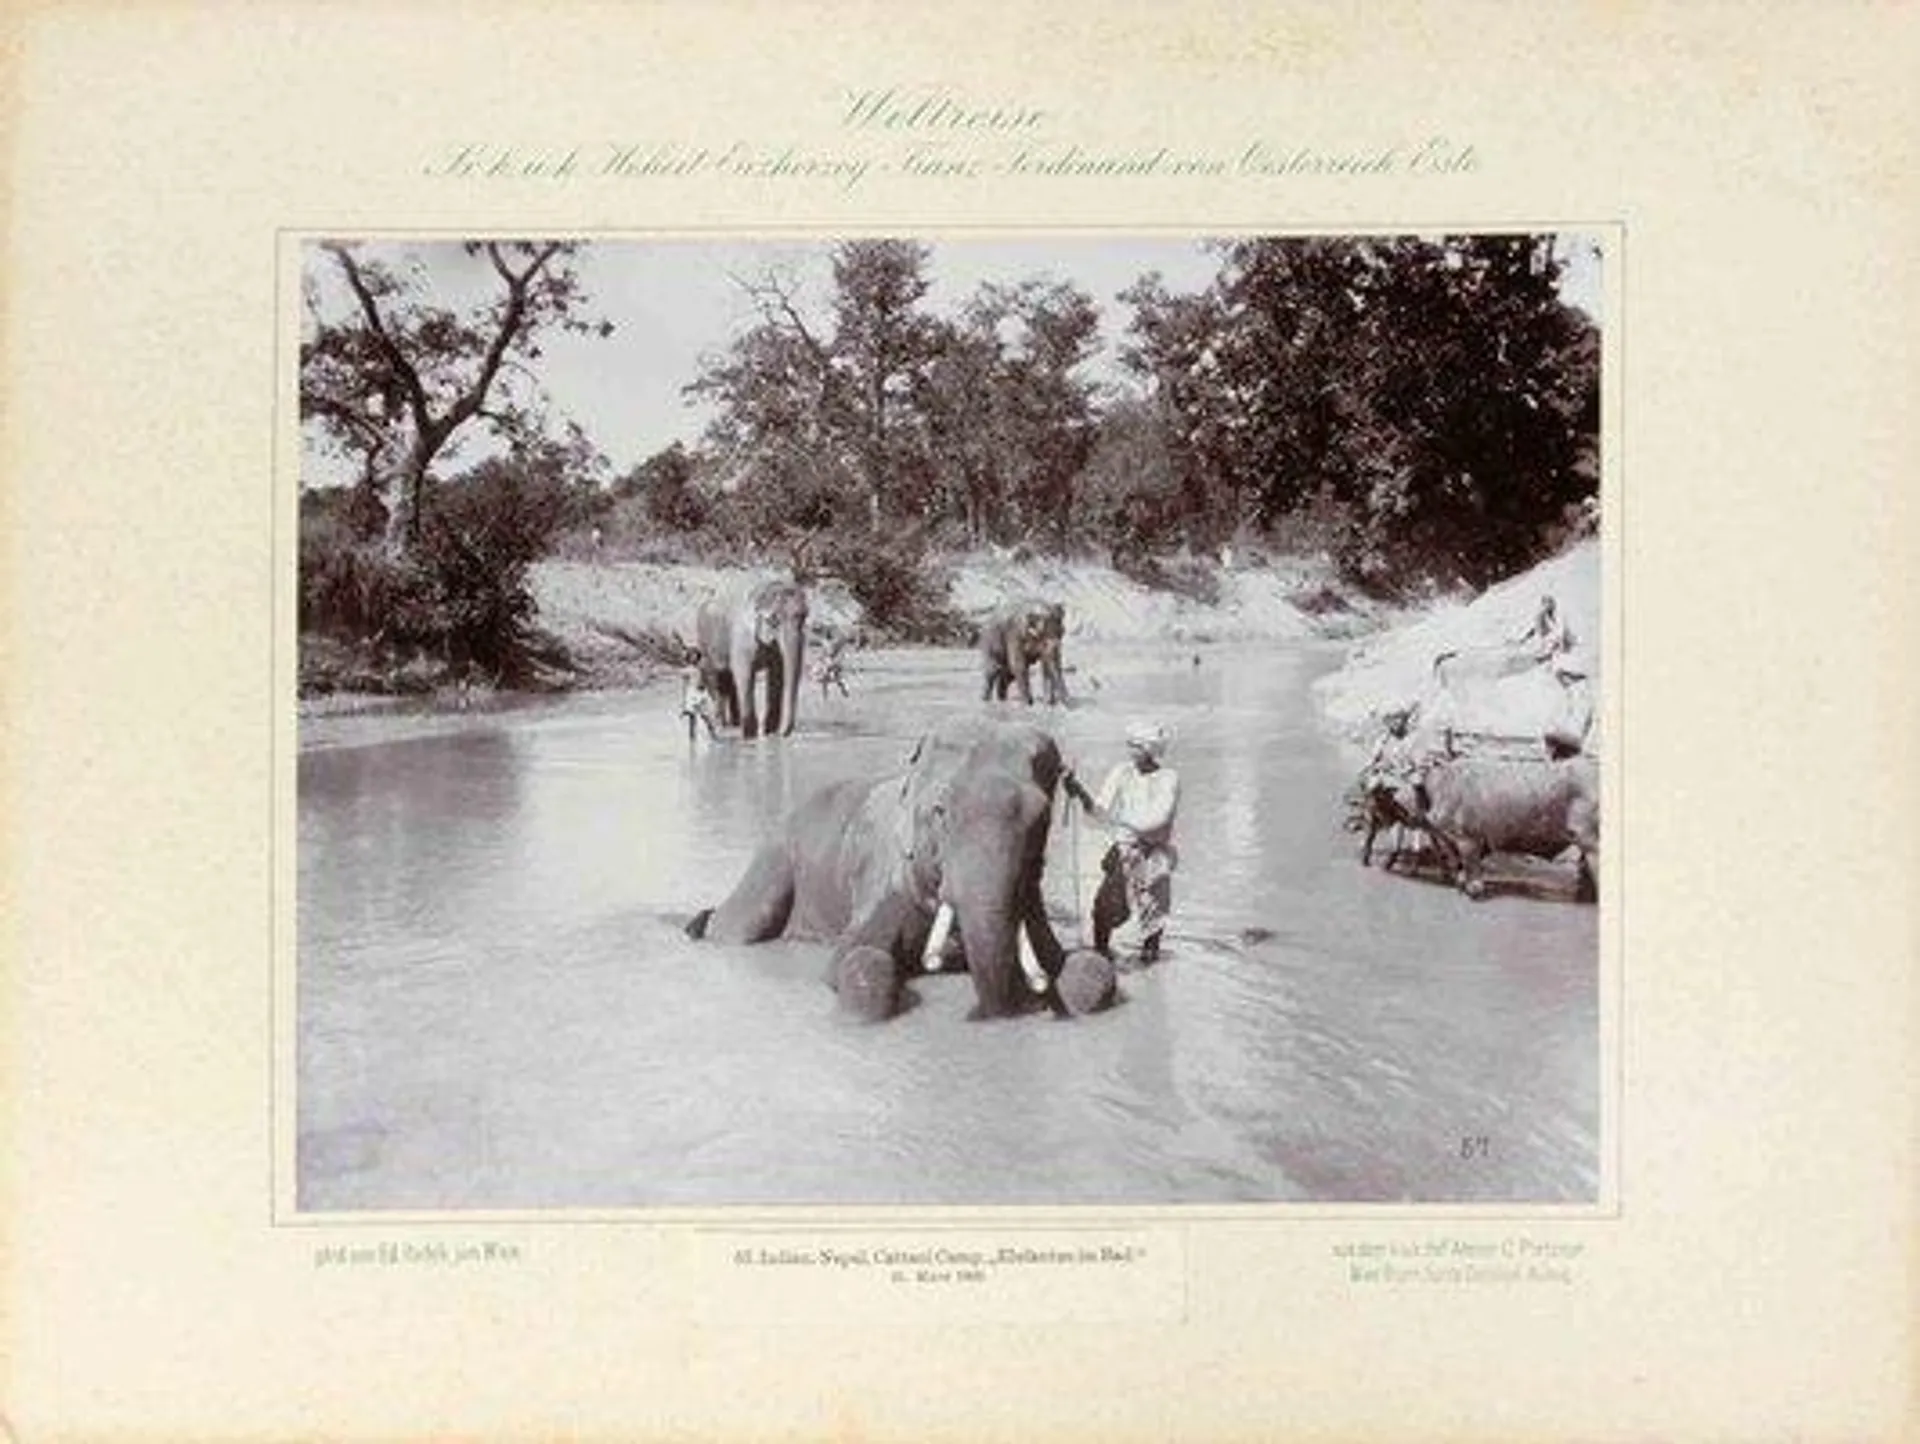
<point>496,1007</point>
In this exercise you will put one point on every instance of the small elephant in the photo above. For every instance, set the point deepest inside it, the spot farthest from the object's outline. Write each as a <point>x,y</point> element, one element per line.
<point>1018,634</point>
<point>885,869</point>
<point>763,630</point>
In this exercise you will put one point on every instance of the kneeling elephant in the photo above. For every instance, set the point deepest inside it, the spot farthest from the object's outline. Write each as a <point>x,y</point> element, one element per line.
<point>884,868</point>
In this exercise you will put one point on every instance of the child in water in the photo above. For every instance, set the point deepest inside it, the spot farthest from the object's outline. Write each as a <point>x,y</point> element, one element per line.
<point>696,702</point>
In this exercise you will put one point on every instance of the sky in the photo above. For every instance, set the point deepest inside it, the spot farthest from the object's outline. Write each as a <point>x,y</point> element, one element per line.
<point>675,303</point>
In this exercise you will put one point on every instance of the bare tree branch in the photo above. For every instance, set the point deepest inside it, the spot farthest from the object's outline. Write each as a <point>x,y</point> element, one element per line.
<point>416,392</point>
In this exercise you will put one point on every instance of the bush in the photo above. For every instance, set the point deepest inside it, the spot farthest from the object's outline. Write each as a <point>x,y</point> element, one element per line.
<point>461,598</point>
<point>1195,580</point>
<point>900,586</point>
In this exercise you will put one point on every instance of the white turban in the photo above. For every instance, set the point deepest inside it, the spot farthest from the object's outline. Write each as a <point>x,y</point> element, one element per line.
<point>1150,737</point>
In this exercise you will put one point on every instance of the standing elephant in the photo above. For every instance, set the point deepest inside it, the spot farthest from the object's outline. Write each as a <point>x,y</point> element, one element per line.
<point>1018,634</point>
<point>886,868</point>
<point>761,630</point>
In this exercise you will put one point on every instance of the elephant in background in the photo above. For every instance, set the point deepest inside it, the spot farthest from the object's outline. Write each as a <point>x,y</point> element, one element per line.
<point>1016,635</point>
<point>886,868</point>
<point>763,630</point>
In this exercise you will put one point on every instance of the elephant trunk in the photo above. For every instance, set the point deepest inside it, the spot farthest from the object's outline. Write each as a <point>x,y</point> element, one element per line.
<point>991,874</point>
<point>741,662</point>
<point>1019,663</point>
<point>783,710</point>
<point>988,933</point>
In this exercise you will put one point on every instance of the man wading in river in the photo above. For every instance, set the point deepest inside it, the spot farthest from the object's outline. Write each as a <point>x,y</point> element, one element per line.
<point>1137,803</point>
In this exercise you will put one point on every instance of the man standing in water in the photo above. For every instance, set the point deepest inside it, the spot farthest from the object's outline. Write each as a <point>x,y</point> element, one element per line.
<point>1137,804</point>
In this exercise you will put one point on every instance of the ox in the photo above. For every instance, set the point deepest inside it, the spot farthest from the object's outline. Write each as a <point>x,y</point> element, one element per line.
<point>1474,806</point>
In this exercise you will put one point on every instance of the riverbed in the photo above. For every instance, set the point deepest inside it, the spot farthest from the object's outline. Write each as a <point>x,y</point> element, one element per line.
<point>497,1008</point>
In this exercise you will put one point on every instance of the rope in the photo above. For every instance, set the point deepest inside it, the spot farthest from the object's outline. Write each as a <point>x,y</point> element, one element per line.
<point>1073,862</point>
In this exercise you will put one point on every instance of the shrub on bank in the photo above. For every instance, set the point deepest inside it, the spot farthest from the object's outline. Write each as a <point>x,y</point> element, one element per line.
<point>458,603</point>
<point>901,586</point>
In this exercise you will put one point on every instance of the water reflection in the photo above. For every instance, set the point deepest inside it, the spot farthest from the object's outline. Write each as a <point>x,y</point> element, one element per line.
<point>497,1008</point>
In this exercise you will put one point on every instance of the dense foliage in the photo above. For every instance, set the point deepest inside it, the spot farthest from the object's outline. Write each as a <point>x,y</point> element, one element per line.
<point>458,598</point>
<point>1418,410</point>
<point>1427,409</point>
<point>1435,401</point>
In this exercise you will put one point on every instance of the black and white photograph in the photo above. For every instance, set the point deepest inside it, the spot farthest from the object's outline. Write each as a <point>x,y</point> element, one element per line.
<point>948,719</point>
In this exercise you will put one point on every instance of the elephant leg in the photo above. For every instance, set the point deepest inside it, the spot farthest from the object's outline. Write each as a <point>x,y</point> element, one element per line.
<point>1467,872</point>
<point>1366,845</point>
<point>897,926</point>
<point>1039,929</point>
<point>725,703</point>
<point>1110,906</point>
<point>759,906</point>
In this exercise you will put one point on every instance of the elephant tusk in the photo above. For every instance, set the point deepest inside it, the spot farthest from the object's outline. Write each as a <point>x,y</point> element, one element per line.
<point>1030,962</point>
<point>930,956</point>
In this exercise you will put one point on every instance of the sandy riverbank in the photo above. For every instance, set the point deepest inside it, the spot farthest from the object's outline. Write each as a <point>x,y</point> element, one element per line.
<point>1395,667</point>
<point>596,610</point>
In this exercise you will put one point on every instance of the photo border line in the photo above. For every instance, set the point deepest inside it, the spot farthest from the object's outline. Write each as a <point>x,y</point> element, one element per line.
<point>282,1129</point>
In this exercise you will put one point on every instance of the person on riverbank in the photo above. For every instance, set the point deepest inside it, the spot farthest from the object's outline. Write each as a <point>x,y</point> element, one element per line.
<point>1137,803</point>
<point>1546,638</point>
<point>696,702</point>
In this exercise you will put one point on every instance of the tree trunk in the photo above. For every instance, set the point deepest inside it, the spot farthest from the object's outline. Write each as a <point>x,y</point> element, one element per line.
<point>409,496</point>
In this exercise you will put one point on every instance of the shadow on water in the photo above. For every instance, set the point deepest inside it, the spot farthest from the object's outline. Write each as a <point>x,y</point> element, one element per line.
<point>497,1006</point>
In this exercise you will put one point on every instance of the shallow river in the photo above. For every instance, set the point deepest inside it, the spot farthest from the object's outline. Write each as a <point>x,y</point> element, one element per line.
<point>497,1008</point>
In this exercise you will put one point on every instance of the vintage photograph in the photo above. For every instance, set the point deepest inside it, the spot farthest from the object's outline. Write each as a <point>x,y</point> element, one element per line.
<point>1039,719</point>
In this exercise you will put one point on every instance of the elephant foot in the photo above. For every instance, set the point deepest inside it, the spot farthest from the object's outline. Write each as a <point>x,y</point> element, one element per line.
<point>1087,983</point>
<point>868,984</point>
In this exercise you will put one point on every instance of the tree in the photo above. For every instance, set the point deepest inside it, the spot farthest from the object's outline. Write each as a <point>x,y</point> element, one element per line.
<point>1131,492</point>
<point>1010,423</point>
<point>1174,346</point>
<point>824,410</point>
<point>1434,398</point>
<point>395,380</point>
<point>665,484</point>
<point>882,345</point>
